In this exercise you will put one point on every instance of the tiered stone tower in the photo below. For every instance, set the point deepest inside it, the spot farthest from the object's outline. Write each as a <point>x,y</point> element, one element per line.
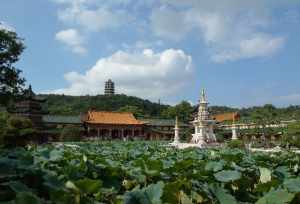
<point>203,124</point>
<point>109,87</point>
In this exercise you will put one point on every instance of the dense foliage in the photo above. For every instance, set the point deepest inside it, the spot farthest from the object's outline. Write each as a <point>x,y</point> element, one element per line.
<point>291,135</point>
<point>74,105</point>
<point>16,131</point>
<point>70,133</point>
<point>11,84</point>
<point>182,110</point>
<point>146,173</point>
<point>270,113</point>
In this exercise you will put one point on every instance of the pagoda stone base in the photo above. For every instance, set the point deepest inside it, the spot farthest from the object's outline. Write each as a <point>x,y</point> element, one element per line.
<point>198,139</point>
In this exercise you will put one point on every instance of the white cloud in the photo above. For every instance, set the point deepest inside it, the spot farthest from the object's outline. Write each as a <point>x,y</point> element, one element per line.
<point>169,23</point>
<point>94,20</point>
<point>148,74</point>
<point>259,46</point>
<point>231,29</point>
<point>141,45</point>
<point>91,14</point>
<point>72,39</point>
<point>5,26</point>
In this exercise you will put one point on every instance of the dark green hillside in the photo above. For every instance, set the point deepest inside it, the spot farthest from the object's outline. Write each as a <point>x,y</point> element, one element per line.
<point>71,105</point>
<point>74,105</point>
<point>268,112</point>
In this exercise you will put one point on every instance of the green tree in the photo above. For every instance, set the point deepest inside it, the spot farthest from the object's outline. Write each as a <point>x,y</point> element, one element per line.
<point>183,110</point>
<point>132,109</point>
<point>291,135</point>
<point>16,130</point>
<point>74,105</point>
<point>11,83</point>
<point>264,116</point>
<point>3,125</point>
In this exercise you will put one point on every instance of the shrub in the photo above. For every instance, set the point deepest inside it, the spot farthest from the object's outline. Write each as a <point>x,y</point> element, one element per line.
<point>19,122</point>
<point>236,144</point>
<point>220,137</point>
<point>3,125</point>
<point>290,141</point>
<point>70,133</point>
<point>16,131</point>
<point>186,135</point>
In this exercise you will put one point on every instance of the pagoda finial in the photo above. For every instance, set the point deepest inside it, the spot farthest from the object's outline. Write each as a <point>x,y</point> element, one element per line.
<point>176,122</point>
<point>28,93</point>
<point>203,96</point>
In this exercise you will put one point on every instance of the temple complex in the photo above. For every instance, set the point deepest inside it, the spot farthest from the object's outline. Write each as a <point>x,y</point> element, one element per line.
<point>203,124</point>
<point>112,125</point>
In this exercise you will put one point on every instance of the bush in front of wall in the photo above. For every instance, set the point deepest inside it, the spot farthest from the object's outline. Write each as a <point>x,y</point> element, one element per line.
<point>70,133</point>
<point>235,144</point>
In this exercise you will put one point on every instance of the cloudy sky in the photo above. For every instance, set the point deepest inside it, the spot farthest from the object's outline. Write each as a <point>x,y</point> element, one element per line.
<point>243,53</point>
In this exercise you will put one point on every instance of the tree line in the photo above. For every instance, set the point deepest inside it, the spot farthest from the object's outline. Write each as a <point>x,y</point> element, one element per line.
<point>74,105</point>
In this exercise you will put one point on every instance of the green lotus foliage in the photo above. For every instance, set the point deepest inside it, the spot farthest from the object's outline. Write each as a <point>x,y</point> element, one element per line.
<point>146,173</point>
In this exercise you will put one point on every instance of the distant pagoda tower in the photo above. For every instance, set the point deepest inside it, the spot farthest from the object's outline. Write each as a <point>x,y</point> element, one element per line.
<point>109,88</point>
<point>30,106</point>
<point>203,124</point>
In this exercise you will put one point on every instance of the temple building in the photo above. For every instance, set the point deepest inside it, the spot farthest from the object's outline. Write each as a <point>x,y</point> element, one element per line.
<point>163,129</point>
<point>226,117</point>
<point>203,124</point>
<point>30,106</point>
<point>112,125</point>
<point>109,88</point>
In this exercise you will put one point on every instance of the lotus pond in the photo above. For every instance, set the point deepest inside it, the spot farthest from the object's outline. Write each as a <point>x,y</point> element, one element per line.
<point>144,173</point>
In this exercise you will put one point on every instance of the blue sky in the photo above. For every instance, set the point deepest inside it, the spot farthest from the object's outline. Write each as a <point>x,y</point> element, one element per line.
<point>243,53</point>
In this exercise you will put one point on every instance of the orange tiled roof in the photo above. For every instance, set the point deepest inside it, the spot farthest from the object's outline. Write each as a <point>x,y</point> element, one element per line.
<point>103,117</point>
<point>226,117</point>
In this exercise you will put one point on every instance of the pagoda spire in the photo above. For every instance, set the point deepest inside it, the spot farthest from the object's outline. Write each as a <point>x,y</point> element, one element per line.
<point>176,131</point>
<point>176,122</point>
<point>203,96</point>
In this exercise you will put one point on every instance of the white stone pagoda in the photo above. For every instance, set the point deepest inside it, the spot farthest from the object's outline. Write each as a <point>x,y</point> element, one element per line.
<point>234,130</point>
<point>176,132</point>
<point>203,124</point>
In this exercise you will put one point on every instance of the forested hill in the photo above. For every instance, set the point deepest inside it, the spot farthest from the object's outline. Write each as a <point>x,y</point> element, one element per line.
<point>73,105</point>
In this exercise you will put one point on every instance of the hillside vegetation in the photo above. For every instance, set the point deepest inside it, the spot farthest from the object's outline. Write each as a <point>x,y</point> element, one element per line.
<point>74,105</point>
